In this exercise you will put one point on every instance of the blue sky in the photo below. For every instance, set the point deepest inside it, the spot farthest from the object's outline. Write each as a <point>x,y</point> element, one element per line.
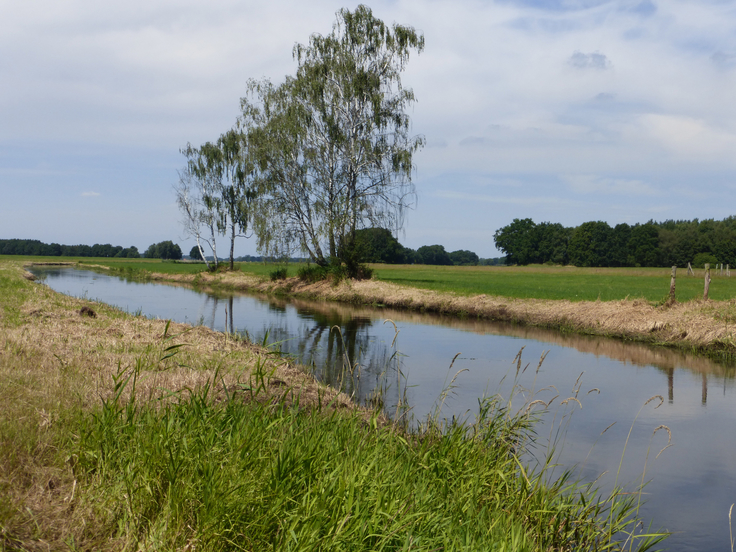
<point>562,110</point>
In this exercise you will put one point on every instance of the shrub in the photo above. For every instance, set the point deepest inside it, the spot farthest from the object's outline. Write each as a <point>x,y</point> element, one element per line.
<point>334,272</point>
<point>279,274</point>
<point>312,273</point>
<point>701,258</point>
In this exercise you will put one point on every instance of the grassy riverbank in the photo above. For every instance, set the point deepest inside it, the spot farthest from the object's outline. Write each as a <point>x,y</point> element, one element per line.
<point>119,432</point>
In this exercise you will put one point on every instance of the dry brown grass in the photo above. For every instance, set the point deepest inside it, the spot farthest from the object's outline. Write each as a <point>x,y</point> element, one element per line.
<point>57,364</point>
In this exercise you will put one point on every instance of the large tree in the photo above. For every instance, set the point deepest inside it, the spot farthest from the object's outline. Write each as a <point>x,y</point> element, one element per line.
<point>590,244</point>
<point>334,142</point>
<point>516,241</point>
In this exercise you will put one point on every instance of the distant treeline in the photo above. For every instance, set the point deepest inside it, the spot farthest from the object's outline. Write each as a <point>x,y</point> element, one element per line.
<point>377,245</point>
<point>35,247</point>
<point>668,243</point>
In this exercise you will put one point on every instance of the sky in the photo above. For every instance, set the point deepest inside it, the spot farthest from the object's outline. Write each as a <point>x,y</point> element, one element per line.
<point>562,110</point>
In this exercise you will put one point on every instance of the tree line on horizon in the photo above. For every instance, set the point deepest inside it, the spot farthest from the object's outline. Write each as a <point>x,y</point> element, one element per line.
<point>162,250</point>
<point>597,244</point>
<point>39,248</point>
<point>378,245</point>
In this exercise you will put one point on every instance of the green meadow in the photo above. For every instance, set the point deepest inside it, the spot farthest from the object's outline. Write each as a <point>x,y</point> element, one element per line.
<point>574,284</point>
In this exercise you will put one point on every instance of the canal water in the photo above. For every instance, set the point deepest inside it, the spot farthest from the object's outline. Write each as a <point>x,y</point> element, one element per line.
<point>419,363</point>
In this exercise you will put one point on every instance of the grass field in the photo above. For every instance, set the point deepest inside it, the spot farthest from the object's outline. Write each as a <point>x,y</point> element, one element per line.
<point>574,284</point>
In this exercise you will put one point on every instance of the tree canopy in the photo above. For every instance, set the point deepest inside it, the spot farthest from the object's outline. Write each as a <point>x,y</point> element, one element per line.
<point>36,247</point>
<point>596,243</point>
<point>163,250</point>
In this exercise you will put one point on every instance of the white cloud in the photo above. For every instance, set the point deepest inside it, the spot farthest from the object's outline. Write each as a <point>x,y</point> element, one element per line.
<point>90,194</point>
<point>692,138</point>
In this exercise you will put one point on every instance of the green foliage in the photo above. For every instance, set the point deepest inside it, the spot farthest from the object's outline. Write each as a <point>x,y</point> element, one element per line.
<point>643,245</point>
<point>334,271</point>
<point>433,255</point>
<point>515,240</point>
<point>463,257</point>
<point>596,244</point>
<point>377,245</point>
<point>312,273</point>
<point>163,250</point>
<point>195,254</point>
<point>279,274</point>
<point>589,244</point>
<point>38,248</point>
<point>701,259</point>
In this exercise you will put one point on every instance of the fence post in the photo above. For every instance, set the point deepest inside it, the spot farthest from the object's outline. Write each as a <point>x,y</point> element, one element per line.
<point>706,287</point>
<point>728,271</point>
<point>672,284</point>
<point>690,270</point>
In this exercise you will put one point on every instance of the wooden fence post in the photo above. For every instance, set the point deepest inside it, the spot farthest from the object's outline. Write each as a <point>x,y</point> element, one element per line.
<point>728,271</point>
<point>690,270</point>
<point>706,287</point>
<point>672,284</point>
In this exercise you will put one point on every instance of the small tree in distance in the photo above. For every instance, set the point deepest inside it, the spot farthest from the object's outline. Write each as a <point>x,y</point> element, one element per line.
<point>163,250</point>
<point>195,254</point>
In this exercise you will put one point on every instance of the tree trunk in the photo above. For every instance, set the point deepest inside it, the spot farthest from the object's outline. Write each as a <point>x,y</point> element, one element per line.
<point>232,246</point>
<point>201,253</point>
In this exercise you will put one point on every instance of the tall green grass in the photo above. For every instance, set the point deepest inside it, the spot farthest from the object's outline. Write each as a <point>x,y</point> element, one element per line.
<point>241,474</point>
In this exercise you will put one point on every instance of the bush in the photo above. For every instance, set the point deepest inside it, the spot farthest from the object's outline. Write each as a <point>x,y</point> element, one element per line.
<point>334,272</point>
<point>312,273</point>
<point>279,274</point>
<point>701,258</point>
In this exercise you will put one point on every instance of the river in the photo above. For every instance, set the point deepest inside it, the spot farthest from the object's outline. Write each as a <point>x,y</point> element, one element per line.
<point>414,360</point>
